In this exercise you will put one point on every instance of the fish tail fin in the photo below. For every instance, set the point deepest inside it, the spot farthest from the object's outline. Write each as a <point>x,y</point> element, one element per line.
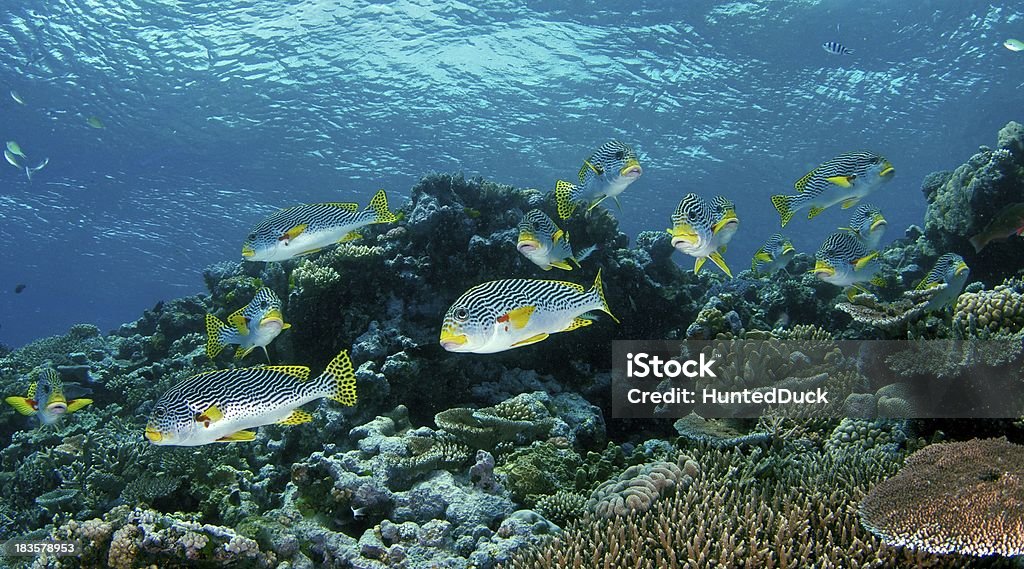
<point>338,381</point>
<point>215,332</point>
<point>599,289</point>
<point>379,206</point>
<point>28,173</point>
<point>977,243</point>
<point>566,194</point>
<point>784,205</point>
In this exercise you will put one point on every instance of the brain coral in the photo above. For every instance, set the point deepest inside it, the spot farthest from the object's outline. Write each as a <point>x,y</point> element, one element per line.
<point>964,497</point>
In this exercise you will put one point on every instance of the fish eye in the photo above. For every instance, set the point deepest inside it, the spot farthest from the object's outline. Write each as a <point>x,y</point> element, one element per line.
<point>620,155</point>
<point>251,237</point>
<point>263,305</point>
<point>691,215</point>
<point>160,412</point>
<point>461,314</point>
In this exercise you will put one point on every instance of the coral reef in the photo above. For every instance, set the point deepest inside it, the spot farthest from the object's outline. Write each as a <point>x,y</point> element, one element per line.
<point>961,497</point>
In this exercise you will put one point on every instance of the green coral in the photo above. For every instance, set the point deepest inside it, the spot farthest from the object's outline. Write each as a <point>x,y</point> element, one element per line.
<point>994,312</point>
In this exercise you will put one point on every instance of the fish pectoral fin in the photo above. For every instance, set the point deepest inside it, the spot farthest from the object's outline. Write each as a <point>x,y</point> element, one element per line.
<point>557,236</point>
<point>519,317</point>
<point>297,417</point>
<point>211,415</point>
<point>814,212</point>
<point>841,181</point>
<point>717,259</point>
<point>850,203</point>
<point>700,263</point>
<point>237,437</point>
<point>22,405</point>
<point>863,261</point>
<point>578,322</point>
<point>293,232</point>
<point>531,340</point>
<point>763,257</point>
<point>238,320</point>
<point>561,265</point>
<point>350,236</point>
<point>76,404</point>
<point>298,372</point>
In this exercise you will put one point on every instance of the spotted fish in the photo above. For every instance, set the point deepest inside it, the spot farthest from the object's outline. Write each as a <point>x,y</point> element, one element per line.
<point>47,398</point>
<point>867,223</point>
<point>702,230</point>
<point>949,270</point>
<point>253,326</point>
<point>843,260</point>
<point>305,229</point>
<point>844,179</point>
<point>775,254</point>
<point>221,406</point>
<point>605,174</point>
<point>543,243</point>
<point>500,315</point>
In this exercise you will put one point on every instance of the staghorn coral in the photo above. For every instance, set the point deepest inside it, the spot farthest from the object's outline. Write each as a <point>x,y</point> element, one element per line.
<point>562,507</point>
<point>744,510</point>
<point>994,312</point>
<point>962,497</point>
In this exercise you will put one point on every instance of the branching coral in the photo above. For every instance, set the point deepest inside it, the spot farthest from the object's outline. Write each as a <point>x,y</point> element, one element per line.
<point>964,497</point>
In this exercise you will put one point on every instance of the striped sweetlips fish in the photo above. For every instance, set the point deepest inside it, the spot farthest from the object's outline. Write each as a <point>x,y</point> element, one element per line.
<point>47,398</point>
<point>775,254</point>
<point>702,230</point>
<point>308,228</point>
<point>843,260</point>
<point>951,273</point>
<point>543,243</point>
<point>844,179</point>
<point>868,223</point>
<point>605,174</point>
<point>500,315</point>
<point>253,326</point>
<point>222,405</point>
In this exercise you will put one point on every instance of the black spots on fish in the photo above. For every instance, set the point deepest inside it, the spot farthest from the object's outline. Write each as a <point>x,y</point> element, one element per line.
<point>19,288</point>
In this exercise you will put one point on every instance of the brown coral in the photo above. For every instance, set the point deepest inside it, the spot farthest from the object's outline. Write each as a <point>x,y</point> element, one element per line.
<point>638,487</point>
<point>964,497</point>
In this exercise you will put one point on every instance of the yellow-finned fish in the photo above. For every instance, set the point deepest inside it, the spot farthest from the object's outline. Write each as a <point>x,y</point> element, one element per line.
<point>868,223</point>
<point>1013,45</point>
<point>605,174</point>
<point>949,270</point>
<point>47,398</point>
<point>543,243</point>
<point>95,122</point>
<point>221,406</point>
<point>1008,221</point>
<point>702,230</point>
<point>253,326</point>
<point>774,255</point>
<point>501,315</point>
<point>305,229</point>
<point>15,149</point>
<point>844,179</point>
<point>843,260</point>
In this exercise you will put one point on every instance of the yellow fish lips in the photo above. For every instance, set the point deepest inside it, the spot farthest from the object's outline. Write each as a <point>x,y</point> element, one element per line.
<point>728,219</point>
<point>788,248</point>
<point>887,169</point>
<point>632,169</point>
<point>248,251</point>
<point>452,341</point>
<point>960,268</point>
<point>153,434</point>
<point>528,242</point>
<point>273,316</point>
<point>683,233</point>
<point>823,269</point>
<point>878,222</point>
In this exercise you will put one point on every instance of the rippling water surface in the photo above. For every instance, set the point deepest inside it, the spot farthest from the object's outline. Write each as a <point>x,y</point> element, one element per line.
<point>217,112</point>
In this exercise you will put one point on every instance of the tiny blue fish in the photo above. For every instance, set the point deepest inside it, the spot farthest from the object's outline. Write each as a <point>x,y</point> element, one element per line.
<point>836,48</point>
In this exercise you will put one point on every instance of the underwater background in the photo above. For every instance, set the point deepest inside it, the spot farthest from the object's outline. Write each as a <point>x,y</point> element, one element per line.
<point>146,140</point>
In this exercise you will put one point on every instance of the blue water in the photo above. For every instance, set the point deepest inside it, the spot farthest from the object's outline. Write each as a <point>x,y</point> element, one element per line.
<point>218,112</point>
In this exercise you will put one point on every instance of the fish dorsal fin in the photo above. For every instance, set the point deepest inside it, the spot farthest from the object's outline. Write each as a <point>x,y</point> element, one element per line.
<point>293,232</point>
<point>801,184</point>
<point>814,212</point>
<point>298,372</point>
<point>297,417</point>
<point>343,205</point>
<point>238,321</point>
<point>531,340</point>
<point>22,405</point>
<point>863,261</point>
<point>925,285</point>
<point>76,404</point>
<point>841,181</point>
<point>519,317</point>
<point>238,437</point>
<point>850,203</point>
<point>32,390</point>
